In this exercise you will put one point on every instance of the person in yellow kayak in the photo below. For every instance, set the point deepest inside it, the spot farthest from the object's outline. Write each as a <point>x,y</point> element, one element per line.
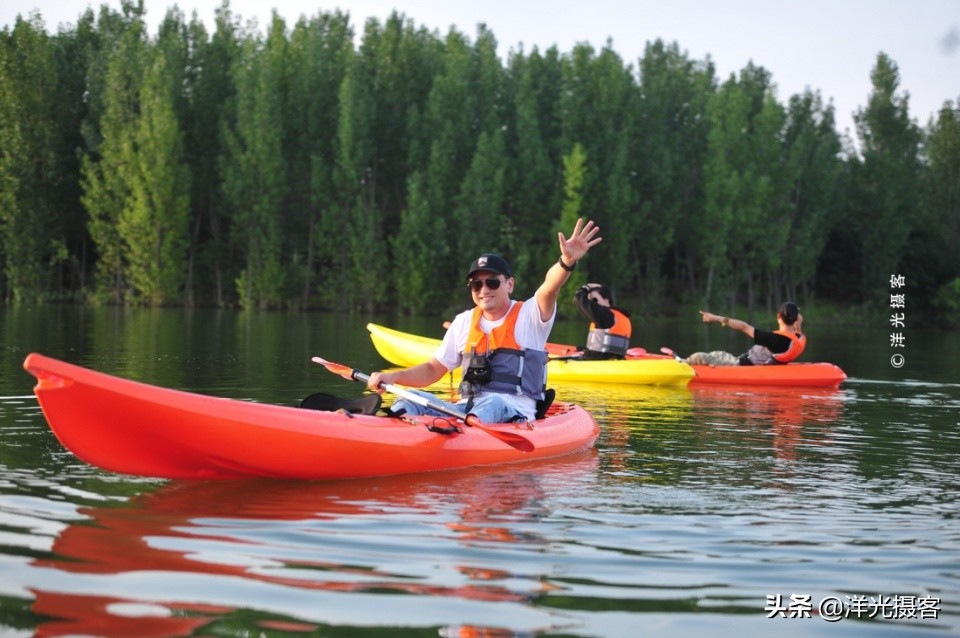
<point>500,343</point>
<point>610,328</point>
<point>782,345</point>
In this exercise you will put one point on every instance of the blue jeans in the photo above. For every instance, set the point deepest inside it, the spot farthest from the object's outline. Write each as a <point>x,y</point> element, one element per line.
<point>489,407</point>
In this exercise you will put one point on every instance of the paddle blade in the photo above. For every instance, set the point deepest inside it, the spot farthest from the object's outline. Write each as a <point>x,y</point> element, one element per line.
<point>512,439</point>
<point>336,368</point>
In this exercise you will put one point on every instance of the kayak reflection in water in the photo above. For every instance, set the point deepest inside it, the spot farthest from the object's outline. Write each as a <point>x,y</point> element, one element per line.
<point>500,343</point>
<point>782,345</point>
<point>288,536</point>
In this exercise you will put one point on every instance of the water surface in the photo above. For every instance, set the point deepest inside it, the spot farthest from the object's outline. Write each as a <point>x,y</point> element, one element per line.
<point>700,509</point>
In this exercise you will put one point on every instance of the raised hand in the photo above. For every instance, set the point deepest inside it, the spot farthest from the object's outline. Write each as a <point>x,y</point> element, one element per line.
<point>583,238</point>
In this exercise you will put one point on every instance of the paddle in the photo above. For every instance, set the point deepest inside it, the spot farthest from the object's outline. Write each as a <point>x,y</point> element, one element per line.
<point>565,357</point>
<point>510,438</point>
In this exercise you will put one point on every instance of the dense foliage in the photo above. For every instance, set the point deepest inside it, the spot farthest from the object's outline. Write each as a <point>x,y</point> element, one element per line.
<point>304,167</point>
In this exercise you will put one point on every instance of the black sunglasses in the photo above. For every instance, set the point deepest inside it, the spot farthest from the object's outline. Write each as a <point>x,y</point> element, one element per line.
<point>477,284</point>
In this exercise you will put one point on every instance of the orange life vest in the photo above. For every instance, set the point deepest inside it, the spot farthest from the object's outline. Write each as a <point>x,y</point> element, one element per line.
<point>797,343</point>
<point>500,337</point>
<point>615,339</point>
<point>515,370</point>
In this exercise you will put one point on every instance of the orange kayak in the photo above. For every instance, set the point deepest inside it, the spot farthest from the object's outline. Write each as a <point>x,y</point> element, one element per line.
<point>796,374</point>
<point>135,428</point>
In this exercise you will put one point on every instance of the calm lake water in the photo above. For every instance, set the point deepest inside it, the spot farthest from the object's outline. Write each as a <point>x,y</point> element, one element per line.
<point>701,510</point>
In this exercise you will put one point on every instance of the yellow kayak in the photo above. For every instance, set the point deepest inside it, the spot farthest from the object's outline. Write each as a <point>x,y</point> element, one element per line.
<point>404,349</point>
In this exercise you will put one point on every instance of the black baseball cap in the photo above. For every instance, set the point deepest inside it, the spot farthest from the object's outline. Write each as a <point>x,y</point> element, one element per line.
<point>490,262</point>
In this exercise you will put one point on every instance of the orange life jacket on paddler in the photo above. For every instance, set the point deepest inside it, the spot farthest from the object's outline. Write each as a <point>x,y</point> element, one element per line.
<point>514,369</point>
<point>615,339</point>
<point>797,343</point>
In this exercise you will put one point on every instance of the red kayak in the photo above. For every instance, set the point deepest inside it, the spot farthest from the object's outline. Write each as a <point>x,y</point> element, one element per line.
<point>796,374</point>
<point>134,428</point>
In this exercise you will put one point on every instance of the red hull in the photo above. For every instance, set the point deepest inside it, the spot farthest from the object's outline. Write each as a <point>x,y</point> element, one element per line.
<point>805,375</point>
<point>134,428</point>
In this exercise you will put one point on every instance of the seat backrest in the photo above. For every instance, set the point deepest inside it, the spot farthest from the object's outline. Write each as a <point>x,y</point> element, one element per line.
<point>367,404</point>
<point>544,404</point>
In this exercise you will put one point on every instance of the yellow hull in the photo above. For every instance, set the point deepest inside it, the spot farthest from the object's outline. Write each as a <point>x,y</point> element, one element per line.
<point>404,349</point>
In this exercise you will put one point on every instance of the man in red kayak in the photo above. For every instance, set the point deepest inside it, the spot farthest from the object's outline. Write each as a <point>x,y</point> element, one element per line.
<point>610,328</point>
<point>782,345</point>
<point>500,343</point>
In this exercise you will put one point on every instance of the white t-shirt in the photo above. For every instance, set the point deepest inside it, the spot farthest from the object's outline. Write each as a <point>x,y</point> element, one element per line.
<point>531,332</point>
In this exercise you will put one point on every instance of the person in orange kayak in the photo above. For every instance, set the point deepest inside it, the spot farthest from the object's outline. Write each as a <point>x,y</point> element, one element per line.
<point>782,345</point>
<point>610,328</point>
<point>500,343</point>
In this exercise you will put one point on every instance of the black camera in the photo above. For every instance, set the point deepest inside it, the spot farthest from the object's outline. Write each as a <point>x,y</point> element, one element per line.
<point>478,370</point>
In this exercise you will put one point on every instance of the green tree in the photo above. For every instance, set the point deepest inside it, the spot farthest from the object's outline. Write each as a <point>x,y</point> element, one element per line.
<point>532,189</point>
<point>574,174</point>
<point>482,226</point>
<point>415,245</point>
<point>11,144</point>
<point>616,194</point>
<point>942,187</point>
<point>598,91</point>
<point>359,268</point>
<point>478,220</point>
<point>40,110</point>
<point>212,114</point>
<point>319,51</point>
<point>306,168</point>
<point>108,166</point>
<point>814,171</point>
<point>26,75</point>
<point>408,61</point>
<point>450,116</point>
<point>154,221</point>
<point>934,244</point>
<point>574,170</point>
<point>885,183</point>
<point>381,143</point>
<point>672,127</point>
<point>401,63</point>
<point>76,49</point>
<point>253,168</point>
<point>180,44</point>
<point>743,230</point>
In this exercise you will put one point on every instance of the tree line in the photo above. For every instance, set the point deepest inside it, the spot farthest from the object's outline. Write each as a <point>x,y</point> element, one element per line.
<point>293,168</point>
